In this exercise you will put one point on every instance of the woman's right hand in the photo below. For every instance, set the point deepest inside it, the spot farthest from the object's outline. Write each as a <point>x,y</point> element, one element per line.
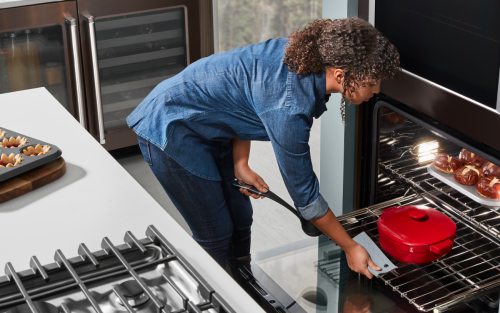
<point>246,175</point>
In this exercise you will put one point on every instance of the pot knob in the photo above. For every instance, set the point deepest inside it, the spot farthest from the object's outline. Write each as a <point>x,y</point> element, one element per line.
<point>417,215</point>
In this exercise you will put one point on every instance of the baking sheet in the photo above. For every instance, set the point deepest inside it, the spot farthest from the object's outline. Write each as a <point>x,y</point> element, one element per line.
<point>469,191</point>
<point>28,162</point>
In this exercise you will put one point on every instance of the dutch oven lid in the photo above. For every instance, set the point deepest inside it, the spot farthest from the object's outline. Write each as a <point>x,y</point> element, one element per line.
<point>416,225</point>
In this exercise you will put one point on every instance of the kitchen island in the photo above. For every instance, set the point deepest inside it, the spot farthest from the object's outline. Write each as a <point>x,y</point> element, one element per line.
<point>96,198</point>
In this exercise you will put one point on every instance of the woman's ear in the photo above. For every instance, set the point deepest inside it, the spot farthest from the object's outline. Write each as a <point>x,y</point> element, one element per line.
<point>334,80</point>
<point>339,75</point>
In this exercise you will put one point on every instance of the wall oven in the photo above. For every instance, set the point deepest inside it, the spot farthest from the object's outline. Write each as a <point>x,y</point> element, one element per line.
<point>100,59</point>
<point>398,133</point>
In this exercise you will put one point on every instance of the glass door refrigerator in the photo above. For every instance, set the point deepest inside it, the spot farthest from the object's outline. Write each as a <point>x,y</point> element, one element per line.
<point>128,47</point>
<point>39,47</point>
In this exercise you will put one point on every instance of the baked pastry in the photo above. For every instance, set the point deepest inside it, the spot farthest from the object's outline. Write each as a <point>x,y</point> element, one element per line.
<point>469,158</point>
<point>489,187</point>
<point>13,142</point>
<point>469,175</point>
<point>446,163</point>
<point>491,170</point>
<point>38,150</point>
<point>11,160</point>
<point>2,133</point>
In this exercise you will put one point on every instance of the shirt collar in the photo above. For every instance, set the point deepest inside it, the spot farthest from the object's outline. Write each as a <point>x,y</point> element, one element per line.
<point>320,93</point>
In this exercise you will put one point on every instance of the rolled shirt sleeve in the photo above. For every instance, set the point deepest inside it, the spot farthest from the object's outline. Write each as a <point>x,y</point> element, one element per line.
<point>288,129</point>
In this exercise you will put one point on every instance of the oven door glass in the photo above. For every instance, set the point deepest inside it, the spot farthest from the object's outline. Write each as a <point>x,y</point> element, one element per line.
<point>455,44</point>
<point>135,53</point>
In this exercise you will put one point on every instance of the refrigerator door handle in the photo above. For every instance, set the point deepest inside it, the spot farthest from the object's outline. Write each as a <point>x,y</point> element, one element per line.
<point>78,71</point>
<point>97,84</point>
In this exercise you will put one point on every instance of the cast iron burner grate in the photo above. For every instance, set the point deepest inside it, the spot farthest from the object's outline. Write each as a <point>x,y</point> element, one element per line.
<point>146,275</point>
<point>470,271</point>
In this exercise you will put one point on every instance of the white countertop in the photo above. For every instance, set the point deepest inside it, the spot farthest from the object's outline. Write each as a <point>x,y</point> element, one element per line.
<point>4,4</point>
<point>94,199</point>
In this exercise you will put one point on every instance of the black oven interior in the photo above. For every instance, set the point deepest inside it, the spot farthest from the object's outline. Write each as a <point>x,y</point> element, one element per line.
<point>399,144</point>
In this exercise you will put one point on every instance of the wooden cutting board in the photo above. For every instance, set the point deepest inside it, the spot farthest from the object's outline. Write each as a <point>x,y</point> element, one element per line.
<point>31,180</point>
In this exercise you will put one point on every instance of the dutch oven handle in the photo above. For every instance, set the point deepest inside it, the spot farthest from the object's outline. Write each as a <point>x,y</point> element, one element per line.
<point>440,248</point>
<point>308,227</point>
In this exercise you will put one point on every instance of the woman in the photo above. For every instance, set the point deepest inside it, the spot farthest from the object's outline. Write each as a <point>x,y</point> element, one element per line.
<point>195,128</point>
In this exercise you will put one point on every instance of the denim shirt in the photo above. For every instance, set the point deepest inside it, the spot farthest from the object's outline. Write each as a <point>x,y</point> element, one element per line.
<point>247,93</point>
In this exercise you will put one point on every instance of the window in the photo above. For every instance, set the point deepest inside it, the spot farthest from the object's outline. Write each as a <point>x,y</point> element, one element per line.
<point>244,22</point>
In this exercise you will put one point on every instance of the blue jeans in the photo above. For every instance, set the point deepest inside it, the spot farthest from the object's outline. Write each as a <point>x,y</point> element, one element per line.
<point>219,216</point>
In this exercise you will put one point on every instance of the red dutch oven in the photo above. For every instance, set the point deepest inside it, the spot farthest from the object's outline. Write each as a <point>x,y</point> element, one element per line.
<point>416,234</point>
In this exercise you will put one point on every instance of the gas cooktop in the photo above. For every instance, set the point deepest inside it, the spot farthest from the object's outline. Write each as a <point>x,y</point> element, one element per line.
<point>146,276</point>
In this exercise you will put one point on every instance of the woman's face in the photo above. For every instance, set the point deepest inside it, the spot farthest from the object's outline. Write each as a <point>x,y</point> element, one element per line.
<point>362,94</point>
<point>334,84</point>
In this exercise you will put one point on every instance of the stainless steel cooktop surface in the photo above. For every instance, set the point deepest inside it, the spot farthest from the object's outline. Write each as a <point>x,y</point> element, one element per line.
<point>143,276</point>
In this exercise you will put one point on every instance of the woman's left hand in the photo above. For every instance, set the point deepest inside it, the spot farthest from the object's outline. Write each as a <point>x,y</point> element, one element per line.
<point>359,260</point>
<point>245,174</point>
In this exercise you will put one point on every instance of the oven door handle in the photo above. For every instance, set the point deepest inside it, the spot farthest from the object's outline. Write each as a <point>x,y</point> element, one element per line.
<point>78,71</point>
<point>97,84</point>
<point>307,226</point>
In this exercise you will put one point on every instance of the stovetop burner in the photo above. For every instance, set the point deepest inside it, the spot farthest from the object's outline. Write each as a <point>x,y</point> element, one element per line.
<point>140,276</point>
<point>138,299</point>
<point>133,293</point>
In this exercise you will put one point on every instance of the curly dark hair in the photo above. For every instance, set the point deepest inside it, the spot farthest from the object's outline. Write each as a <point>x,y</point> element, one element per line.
<point>351,44</point>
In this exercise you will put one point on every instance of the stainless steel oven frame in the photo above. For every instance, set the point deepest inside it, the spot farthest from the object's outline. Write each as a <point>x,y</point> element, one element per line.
<point>481,122</point>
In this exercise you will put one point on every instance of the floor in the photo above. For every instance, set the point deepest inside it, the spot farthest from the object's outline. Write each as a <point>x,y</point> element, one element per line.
<point>273,225</point>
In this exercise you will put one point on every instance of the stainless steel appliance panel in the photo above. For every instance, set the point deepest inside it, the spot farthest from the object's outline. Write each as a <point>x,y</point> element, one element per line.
<point>51,32</point>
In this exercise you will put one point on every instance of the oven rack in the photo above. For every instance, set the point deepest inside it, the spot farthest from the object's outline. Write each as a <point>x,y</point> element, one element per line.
<point>408,169</point>
<point>27,295</point>
<point>470,271</point>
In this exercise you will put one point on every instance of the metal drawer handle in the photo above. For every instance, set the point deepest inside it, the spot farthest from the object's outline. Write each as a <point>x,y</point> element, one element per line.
<point>78,72</point>
<point>97,84</point>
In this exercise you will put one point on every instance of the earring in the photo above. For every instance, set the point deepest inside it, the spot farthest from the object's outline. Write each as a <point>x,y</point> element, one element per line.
<point>342,110</point>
